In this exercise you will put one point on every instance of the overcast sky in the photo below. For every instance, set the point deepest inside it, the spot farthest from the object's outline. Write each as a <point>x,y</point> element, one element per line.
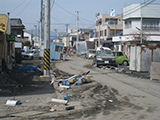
<point>64,11</point>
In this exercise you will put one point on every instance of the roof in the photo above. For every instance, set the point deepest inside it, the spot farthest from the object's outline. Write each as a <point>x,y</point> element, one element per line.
<point>16,22</point>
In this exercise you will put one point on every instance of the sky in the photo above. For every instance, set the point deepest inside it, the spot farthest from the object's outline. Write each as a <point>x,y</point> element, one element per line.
<point>65,11</point>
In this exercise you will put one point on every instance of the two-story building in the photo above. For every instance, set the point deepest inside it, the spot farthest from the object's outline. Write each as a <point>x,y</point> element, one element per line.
<point>107,26</point>
<point>17,27</point>
<point>141,24</point>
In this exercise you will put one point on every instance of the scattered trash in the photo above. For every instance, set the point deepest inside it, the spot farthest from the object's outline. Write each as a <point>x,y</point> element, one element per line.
<point>51,110</point>
<point>68,96</point>
<point>110,100</point>
<point>64,86</point>
<point>59,101</point>
<point>75,79</point>
<point>13,102</point>
<point>61,108</point>
<point>28,68</point>
<point>52,81</point>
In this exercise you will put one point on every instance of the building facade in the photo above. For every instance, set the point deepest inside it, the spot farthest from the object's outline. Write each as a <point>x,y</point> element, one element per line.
<point>141,24</point>
<point>107,26</point>
<point>17,27</point>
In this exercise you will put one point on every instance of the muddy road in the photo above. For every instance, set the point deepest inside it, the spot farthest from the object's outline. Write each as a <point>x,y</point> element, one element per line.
<point>142,96</point>
<point>109,95</point>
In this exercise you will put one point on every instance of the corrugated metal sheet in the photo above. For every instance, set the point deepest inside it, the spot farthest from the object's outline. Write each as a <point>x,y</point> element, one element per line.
<point>141,58</point>
<point>155,70</point>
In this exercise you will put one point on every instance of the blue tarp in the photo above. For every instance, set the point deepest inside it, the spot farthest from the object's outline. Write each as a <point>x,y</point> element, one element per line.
<point>27,68</point>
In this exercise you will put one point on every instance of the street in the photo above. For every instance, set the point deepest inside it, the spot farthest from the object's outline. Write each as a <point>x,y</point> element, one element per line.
<point>141,92</point>
<point>110,95</point>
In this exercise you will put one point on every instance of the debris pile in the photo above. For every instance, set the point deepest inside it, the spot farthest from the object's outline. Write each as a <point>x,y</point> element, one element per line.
<point>68,81</point>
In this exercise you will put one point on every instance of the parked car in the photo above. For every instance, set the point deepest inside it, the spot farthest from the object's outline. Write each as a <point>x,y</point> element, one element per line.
<point>104,57</point>
<point>31,54</point>
<point>121,58</point>
<point>90,53</point>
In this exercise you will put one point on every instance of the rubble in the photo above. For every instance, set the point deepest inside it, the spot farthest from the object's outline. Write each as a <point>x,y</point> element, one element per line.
<point>81,97</point>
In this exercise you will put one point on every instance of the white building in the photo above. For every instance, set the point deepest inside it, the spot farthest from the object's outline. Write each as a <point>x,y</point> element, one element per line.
<point>28,36</point>
<point>137,17</point>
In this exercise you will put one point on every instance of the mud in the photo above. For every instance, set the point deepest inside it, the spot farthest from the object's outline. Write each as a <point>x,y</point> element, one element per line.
<point>35,93</point>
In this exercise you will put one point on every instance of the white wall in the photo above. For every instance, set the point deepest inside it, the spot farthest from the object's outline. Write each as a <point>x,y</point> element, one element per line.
<point>133,12</point>
<point>28,35</point>
<point>147,10</point>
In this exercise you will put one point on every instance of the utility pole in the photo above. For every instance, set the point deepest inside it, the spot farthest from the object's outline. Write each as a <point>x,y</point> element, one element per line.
<point>99,23</point>
<point>55,35</point>
<point>35,34</point>
<point>46,56</point>
<point>77,26</point>
<point>41,24</point>
<point>67,27</point>
<point>67,35</point>
<point>38,34</point>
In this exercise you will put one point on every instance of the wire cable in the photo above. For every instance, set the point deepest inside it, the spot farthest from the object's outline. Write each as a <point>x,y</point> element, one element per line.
<point>18,6</point>
<point>24,8</point>
<point>52,5</point>
<point>65,9</point>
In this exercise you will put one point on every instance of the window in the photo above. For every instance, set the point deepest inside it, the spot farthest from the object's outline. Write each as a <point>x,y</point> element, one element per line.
<point>119,54</point>
<point>105,32</point>
<point>111,21</point>
<point>59,49</point>
<point>106,52</point>
<point>150,25</point>
<point>128,24</point>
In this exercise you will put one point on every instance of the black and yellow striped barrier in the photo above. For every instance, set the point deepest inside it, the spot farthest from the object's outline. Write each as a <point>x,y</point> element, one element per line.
<point>46,59</point>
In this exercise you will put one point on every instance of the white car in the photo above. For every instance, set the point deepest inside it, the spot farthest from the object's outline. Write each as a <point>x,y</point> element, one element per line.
<point>31,54</point>
<point>90,53</point>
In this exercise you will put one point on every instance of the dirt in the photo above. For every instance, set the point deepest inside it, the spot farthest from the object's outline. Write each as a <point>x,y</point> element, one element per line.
<point>35,93</point>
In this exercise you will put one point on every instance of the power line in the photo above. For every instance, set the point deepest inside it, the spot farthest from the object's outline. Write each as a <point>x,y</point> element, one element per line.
<point>138,7</point>
<point>65,10</point>
<point>24,8</point>
<point>18,6</point>
<point>52,5</point>
<point>135,9</point>
<point>72,13</point>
